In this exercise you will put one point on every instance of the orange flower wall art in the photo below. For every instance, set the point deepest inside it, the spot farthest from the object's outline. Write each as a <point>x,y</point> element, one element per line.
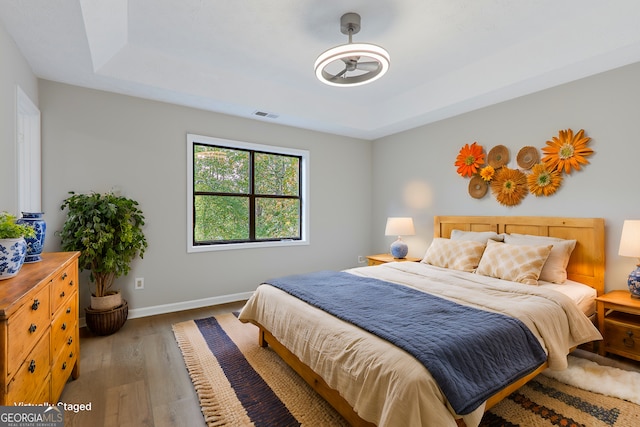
<point>509,186</point>
<point>469,159</point>
<point>487,173</point>
<point>543,182</point>
<point>567,151</point>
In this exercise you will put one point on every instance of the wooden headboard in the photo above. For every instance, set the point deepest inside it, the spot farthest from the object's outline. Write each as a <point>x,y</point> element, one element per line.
<point>586,264</point>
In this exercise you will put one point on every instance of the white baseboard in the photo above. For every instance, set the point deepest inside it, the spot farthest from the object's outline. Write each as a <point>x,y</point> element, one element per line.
<point>180,306</point>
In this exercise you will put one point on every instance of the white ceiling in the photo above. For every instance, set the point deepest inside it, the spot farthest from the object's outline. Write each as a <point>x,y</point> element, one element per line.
<point>243,56</point>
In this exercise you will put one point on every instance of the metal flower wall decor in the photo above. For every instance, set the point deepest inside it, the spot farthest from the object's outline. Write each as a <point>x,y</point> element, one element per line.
<point>541,177</point>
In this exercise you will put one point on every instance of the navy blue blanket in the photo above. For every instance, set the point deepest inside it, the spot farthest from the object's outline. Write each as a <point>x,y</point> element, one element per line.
<point>471,353</point>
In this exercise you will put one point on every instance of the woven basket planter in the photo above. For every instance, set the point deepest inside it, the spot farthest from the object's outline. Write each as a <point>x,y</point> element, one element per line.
<point>106,322</point>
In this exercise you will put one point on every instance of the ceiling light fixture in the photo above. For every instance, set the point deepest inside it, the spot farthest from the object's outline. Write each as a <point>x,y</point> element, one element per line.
<point>351,64</point>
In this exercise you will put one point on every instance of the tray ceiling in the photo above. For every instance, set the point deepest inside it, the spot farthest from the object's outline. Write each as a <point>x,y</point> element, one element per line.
<point>242,57</point>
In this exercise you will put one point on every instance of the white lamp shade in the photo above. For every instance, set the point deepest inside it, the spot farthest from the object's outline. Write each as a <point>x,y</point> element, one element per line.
<point>399,227</point>
<point>630,240</point>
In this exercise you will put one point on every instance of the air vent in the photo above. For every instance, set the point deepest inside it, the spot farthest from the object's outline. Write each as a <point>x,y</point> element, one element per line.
<point>265,114</point>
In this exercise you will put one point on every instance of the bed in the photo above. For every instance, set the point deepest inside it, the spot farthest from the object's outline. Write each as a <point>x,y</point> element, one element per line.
<point>373,382</point>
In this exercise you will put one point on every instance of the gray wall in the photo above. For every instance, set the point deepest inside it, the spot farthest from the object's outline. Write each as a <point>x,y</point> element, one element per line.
<point>96,141</point>
<point>414,173</point>
<point>14,70</point>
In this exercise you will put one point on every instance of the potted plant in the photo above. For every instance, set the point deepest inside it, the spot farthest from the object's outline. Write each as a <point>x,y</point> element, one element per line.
<point>107,230</point>
<point>13,246</point>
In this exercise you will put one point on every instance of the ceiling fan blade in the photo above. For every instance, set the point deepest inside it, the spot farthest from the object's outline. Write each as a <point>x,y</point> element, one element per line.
<point>368,66</point>
<point>340,74</point>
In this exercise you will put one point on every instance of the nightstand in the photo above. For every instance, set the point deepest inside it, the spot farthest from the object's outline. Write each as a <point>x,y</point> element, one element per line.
<point>384,258</point>
<point>619,323</point>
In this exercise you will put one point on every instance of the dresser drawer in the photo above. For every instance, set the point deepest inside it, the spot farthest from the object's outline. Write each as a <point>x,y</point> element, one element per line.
<point>42,396</point>
<point>26,327</point>
<point>622,334</point>
<point>64,327</point>
<point>61,371</point>
<point>31,375</point>
<point>63,286</point>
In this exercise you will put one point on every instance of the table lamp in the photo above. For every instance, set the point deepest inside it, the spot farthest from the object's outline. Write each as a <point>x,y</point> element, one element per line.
<point>630,247</point>
<point>399,227</point>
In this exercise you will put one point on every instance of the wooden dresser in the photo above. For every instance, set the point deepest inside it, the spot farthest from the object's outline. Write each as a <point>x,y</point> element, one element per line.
<point>39,340</point>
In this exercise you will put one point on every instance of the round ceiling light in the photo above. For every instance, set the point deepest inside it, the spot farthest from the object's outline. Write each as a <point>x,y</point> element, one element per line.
<point>351,64</point>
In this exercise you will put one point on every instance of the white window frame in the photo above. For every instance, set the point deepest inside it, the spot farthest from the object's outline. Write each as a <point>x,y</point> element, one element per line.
<point>304,193</point>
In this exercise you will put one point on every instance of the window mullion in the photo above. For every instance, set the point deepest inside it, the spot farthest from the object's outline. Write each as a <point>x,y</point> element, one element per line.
<point>252,197</point>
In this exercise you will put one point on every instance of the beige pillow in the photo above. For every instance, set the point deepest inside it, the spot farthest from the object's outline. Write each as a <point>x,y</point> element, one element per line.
<point>518,263</point>
<point>555,269</point>
<point>461,255</point>
<point>478,236</point>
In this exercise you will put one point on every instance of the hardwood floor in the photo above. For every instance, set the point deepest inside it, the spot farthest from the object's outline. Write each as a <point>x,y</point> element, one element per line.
<point>137,377</point>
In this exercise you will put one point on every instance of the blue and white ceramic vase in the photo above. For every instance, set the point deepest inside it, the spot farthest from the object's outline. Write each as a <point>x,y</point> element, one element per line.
<point>634,283</point>
<point>399,248</point>
<point>34,244</point>
<point>12,254</point>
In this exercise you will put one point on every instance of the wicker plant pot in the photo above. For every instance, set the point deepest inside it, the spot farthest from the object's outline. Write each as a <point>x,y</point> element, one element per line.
<point>108,321</point>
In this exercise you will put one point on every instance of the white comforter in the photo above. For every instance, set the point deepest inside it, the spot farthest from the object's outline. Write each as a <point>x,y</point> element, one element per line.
<point>384,384</point>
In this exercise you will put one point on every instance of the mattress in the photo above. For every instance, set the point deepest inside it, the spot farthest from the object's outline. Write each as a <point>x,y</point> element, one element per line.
<point>582,295</point>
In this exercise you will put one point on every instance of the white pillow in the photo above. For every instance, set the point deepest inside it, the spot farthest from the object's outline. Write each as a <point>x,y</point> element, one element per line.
<point>478,236</point>
<point>555,269</point>
<point>517,263</point>
<point>461,255</point>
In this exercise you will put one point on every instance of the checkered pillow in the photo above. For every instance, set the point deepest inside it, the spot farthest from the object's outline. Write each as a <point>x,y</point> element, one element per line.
<point>517,263</point>
<point>455,254</point>
<point>555,268</point>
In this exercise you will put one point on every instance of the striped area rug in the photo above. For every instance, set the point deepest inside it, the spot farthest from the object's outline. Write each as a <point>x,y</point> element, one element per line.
<point>241,384</point>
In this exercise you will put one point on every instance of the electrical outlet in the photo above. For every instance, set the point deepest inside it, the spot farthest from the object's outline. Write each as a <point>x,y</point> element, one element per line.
<point>361,259</point>
<point>139,283</point>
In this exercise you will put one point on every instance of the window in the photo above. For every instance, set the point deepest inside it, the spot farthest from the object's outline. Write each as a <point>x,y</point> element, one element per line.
<point>244,195</point>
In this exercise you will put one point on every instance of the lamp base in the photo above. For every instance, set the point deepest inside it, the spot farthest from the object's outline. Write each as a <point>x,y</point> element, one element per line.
<point>634,283</point>
<point>399,249</point>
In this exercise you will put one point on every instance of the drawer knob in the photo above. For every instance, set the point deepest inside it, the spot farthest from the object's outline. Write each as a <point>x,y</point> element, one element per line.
<point>71,355</point>
<point>629,341</point>
<point>35,305</point>
<point>62,294</point>
<point>32,328</point>
<point>64,275</point>
<point>70,282</point>
<point>32,366</point>
<point>64,327</point>
<point>64,365</point>
<point>68,310</point>
<point>69,341</point>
